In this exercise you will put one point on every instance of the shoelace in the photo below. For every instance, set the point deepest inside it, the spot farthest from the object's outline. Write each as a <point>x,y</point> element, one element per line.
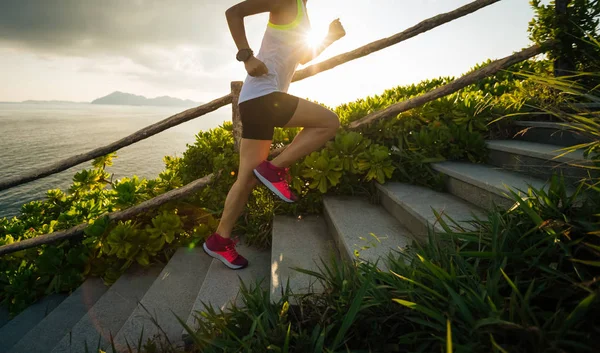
<point>230,248</point>
<point>287,177</point>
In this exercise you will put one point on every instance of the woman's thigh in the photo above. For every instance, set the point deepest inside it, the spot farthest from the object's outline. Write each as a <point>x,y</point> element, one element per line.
<point>311,115</point>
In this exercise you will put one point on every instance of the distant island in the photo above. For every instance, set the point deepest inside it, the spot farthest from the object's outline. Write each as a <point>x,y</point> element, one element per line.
<point>121,98</point>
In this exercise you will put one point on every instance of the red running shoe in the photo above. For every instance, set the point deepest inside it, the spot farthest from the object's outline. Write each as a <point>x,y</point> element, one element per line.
<point>224,249</point>
<point>276,179</point>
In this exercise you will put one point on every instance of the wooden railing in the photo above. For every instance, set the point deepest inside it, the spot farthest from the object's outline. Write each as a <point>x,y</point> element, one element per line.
<point>232,98</point>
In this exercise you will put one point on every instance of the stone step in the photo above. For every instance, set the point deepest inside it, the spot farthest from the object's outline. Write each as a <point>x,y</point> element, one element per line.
<point>548,132</point>
<point>363,229</point>
<point>298,243</point>
<point>413,206</point>
<point>48,332</point>
<point>171,295</point>
<point>484,185</point>
<point>537,159</point>
<point>109,313</point>
<point>12,331</point>
<point>222,285</point>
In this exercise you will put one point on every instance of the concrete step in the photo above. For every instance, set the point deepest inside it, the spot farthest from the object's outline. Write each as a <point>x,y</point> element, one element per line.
<point>413,206</point>
<point>537,159</point>
<point>553,133</point>
<point>109,313</point>
<point>171,295</point>
<point>48,332</point>
<point>364,229</point>
<point>484,185</point>
<point>12,331</point>
<point>298,243</point>
<point>222,285</point>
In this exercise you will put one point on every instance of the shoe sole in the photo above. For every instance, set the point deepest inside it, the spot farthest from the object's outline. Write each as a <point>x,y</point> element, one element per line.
<point>219,257</point>
<point>271,187</point>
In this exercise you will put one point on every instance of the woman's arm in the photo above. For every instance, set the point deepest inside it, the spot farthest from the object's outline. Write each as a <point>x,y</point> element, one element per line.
<point>235,19</point>
<point>336,32</point>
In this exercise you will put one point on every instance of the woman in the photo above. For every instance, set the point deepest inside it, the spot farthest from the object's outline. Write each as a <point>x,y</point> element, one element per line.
<point>264,105</point>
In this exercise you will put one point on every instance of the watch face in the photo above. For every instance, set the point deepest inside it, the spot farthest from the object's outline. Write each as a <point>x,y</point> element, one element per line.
<point>244,54</point>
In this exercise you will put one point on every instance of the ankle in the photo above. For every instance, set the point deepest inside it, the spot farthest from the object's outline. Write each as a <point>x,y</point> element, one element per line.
<point>279,164</point>
<point>222,234</point>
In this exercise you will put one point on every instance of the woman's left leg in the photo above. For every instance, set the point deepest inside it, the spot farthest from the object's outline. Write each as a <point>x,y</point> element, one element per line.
<point>320,125</point>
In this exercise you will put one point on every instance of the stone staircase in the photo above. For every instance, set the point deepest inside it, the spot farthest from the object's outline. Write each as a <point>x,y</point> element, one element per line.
<point>349,227</point>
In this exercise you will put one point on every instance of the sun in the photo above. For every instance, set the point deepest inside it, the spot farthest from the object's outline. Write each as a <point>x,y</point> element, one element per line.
<point>313,39</point>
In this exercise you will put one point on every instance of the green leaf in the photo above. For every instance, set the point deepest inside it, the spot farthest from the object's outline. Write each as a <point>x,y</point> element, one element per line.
<point>448,337</point>
<point>579,312</point>
<point>586,262</point>
<point>142,258</point>
<point>352,312</point>
<point>428,312</point>
<point>462,306</point>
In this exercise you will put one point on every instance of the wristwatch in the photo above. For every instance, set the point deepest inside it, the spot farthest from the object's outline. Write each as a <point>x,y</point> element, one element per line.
<point>244,54</point>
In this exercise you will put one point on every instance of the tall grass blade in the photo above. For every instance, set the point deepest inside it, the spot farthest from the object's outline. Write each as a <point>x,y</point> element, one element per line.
<point>448,337</point>
<point>139,346</point>
<point>422,309</point>
<point>352,311</point>
<point>511,284</point>
<point>199,341</point>
<point>462,306</point>
<point>420,285</point>
<point>586,262</point>
<point>286,344</point>
<point>579,311</point>
<point>496,345</point>
<point>112,343</point>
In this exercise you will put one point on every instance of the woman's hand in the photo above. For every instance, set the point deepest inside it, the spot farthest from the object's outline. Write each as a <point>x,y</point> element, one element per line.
<point>336,30</point>
<point>256,67</point>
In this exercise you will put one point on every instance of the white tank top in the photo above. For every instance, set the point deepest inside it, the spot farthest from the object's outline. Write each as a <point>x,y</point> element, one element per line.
<point>281,50</point>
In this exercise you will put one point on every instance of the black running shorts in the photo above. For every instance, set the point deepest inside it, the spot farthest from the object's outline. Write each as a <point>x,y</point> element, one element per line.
<point>261,115</point>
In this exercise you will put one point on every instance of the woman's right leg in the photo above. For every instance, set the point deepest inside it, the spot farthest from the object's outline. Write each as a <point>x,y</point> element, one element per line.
<point>252,153</point>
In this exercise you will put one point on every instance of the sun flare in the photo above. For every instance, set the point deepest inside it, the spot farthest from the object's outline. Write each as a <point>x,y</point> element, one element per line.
<point>313,39</point>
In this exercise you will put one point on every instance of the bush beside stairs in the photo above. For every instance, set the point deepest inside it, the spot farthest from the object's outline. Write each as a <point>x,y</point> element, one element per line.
<point>350,227</point>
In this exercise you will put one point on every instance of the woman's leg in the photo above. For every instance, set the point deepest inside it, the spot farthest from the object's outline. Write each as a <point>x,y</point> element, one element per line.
<point>252,153</point>
<point>320,124</point>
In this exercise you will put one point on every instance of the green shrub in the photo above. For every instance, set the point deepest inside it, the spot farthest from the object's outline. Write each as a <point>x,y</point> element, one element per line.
<point>107,249</point>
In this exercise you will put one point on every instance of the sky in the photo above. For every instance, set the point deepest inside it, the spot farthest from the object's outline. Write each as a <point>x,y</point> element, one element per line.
<point>79,50</point>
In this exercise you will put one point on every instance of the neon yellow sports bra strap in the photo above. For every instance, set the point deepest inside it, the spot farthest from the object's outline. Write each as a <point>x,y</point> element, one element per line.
<point>295,23</point>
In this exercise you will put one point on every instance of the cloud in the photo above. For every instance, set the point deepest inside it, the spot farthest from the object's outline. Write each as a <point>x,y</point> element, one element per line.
<point>158,41</point>
<point>84,26</point>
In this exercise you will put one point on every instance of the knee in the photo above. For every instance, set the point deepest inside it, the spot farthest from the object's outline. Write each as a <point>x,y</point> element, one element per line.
<point>334,123</point>
<point>247,182</point>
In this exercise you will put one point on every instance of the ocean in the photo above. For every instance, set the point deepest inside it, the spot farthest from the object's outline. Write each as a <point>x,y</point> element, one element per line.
<point>35,135</point>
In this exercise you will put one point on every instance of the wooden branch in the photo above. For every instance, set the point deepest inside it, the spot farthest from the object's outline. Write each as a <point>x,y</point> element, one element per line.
<point>126,141</point>
<point>365,50</point>
<point>113,216</point>
<point>452,87</point>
